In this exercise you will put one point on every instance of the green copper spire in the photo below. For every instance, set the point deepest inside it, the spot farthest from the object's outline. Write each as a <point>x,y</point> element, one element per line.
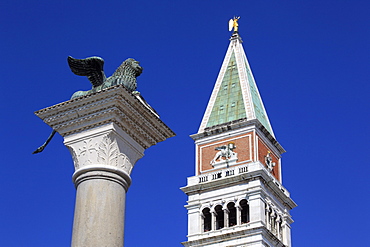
<point>235,95</point>
<point>259,110</point>
<point>229,103</point>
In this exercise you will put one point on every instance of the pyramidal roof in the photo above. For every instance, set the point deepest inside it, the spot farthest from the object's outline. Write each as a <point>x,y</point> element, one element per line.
<point>235,94</point>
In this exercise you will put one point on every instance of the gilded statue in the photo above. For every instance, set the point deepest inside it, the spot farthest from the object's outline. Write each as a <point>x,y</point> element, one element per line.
<point>233,24</point>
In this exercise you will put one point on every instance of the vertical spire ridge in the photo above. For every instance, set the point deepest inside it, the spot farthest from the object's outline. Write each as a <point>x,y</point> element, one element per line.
<point>235,94</point>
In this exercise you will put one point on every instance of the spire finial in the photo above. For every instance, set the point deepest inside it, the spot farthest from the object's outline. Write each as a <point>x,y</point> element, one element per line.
<point>233,23</point>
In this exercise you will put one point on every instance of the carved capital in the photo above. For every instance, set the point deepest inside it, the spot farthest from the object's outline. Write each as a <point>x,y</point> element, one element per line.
<point>103,146</point>
<point>108,130</point>
<point>109,154</point>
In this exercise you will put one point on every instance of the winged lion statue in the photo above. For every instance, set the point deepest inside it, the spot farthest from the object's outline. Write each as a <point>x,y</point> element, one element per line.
<point>93,69</point>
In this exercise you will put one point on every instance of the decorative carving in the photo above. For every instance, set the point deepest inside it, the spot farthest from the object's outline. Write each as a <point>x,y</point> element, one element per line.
<point>92,67</point>
<point>103,151</point>
<point>109,154</point>
<point>225,153</point>
<point>114,105</point>
<point>274,219</point>
<point>74,157</point>
<point>85,152</point>
<point>95,110</point>
<point>268,161</point>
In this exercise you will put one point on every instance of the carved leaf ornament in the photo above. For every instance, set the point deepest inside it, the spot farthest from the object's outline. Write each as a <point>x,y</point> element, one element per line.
<point>85,152</point>
<point>109,154</point>
<point>74,157</point>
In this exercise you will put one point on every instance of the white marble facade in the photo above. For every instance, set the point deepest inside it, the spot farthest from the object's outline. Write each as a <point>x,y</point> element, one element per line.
<point>251,183</point>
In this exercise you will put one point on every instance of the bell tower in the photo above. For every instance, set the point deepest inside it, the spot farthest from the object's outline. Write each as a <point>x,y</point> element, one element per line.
<point>236,197</point>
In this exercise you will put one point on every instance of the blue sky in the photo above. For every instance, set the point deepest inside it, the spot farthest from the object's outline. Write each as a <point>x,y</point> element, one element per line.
<point>310,60</point>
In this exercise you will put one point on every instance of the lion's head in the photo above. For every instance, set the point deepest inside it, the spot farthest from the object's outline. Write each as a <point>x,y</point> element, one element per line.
<point>133,64</point>
<point>126,74</point>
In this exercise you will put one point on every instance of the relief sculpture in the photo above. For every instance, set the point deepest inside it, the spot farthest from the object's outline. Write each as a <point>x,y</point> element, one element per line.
<point>225,154</point>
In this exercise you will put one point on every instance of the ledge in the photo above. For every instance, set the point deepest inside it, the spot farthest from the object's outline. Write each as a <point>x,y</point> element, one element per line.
<point>237,124</point>
<point>237,235</point>
<point>240,174</point>
<point>112,105</point>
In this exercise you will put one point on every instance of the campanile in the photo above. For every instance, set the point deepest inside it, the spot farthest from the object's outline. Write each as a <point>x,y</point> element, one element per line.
<point>236,197</point>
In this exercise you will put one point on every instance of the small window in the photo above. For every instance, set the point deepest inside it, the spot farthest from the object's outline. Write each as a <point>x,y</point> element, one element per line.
<point>206,220</point>
<point>219,217</point>
<point>245,211</point>
<point>232,214</point>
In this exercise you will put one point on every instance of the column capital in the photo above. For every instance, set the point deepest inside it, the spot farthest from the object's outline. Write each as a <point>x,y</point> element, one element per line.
<point>105,147</point>
<point>111,128</point>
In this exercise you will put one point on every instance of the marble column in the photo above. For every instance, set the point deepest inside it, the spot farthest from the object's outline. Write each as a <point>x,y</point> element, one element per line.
<point>107,133</point>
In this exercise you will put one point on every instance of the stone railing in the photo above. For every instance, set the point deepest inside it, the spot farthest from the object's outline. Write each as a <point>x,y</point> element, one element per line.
<point>222,173</point>
<point>234,171</point>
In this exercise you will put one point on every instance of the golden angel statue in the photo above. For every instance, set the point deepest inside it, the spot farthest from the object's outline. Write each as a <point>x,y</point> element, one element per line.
<point>233,23</point>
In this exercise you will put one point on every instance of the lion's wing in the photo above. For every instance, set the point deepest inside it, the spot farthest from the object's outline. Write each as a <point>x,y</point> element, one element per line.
<point>92,67</point>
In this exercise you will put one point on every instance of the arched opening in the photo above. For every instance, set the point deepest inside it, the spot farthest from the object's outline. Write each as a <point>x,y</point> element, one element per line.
<point>206,219</point>
<point>273,222</point>
<point>232,214</point>
<point>269,219</point>
<point>280,230</point>
<point>244,211</point>
<point>219,217</point>
<point>267,215</point>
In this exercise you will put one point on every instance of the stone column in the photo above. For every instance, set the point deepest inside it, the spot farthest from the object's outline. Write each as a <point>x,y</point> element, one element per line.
<point>213,220</point>
<point>238,214</point>
<point>103,158</point>
<point>256,209</point>
<point>286,231</point>
<point>226,216</point>
<point>106,133</point>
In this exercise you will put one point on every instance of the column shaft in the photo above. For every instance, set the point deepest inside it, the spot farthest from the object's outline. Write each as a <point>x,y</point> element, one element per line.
<point>99,209</point>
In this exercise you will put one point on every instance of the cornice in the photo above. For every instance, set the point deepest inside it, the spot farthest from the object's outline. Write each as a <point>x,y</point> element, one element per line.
<point>257,172</point>
<point>112,105</point>
<point>238,124</point>
<point>209,240</point>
